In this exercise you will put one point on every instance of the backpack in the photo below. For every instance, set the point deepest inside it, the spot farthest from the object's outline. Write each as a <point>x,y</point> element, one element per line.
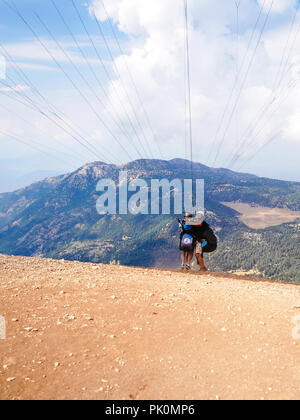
<point>211,241</point>
<point>206,235</point>
<point>187,242</point>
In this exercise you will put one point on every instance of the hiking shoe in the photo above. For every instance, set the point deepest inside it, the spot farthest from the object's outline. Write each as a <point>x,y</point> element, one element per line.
<point>188,268</point>
<point>182,268</point>
<point>203,270</point>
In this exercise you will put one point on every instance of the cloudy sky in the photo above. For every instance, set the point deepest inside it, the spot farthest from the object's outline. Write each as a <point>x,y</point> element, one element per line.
<point>106,80</point>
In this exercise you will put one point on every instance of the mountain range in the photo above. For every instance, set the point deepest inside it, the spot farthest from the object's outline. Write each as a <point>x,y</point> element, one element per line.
<point>57,218</point>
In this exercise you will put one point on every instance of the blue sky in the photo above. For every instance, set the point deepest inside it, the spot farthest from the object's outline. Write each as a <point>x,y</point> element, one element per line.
<point>125,120</point>
<point>15,31</point>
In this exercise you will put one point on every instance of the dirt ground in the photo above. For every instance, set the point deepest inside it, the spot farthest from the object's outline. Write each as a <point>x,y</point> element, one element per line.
<point>85,331</point>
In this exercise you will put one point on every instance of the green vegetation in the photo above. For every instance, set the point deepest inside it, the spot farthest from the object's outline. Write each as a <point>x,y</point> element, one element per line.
<point>57,218</point>
<point>273,252</point>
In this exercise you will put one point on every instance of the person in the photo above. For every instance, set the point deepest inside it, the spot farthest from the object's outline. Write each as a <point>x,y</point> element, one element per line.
<point>206,240</point>
<point>187,242</point>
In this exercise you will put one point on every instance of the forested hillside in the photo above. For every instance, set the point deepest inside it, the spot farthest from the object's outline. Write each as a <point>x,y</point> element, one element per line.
<point>57,218</point>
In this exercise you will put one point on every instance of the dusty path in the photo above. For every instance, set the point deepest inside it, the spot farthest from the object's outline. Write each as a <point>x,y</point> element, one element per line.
<point>82,331</point>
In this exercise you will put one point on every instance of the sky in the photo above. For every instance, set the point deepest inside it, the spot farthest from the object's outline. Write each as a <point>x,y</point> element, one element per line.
<point>106,80</point>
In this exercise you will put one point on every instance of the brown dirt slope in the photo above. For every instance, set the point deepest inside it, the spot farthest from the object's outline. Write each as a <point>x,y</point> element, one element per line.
<point>84,331</point>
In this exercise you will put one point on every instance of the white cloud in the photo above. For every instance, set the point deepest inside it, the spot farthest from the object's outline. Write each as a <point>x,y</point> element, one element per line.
<point>36,54</point>
<point>279,6</point>
<point>17,88</point>
<point>34,66</point>
<point>156,58</point>
<point>292,128</point>
<point>156,62</point>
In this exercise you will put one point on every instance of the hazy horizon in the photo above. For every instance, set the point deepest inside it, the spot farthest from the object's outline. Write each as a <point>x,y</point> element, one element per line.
<point>130,57</point>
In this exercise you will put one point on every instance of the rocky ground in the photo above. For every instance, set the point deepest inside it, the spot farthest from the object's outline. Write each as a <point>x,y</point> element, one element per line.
<point>85,331</point>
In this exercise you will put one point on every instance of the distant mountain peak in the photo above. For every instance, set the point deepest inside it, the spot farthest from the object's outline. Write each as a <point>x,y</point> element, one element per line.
<point>57,218</point>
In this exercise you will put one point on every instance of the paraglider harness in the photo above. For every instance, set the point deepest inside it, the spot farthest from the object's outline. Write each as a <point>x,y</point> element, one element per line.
<point>188,238</point>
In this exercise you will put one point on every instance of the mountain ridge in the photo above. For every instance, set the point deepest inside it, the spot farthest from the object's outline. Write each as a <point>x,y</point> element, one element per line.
<point>134,165</point>
<point>57,218</point>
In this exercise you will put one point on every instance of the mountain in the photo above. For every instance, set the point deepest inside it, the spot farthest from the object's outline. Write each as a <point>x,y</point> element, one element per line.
<point>57,218</point>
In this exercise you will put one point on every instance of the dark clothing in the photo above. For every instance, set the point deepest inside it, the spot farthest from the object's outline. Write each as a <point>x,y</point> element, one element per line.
<point>205,233</point>
<point>200,234</point>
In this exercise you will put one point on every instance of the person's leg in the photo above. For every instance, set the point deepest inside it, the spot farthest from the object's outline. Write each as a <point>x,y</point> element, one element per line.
<point>183,259</point>
<point>201,262</point>
<point>199,256</point>
<point>189,259</point>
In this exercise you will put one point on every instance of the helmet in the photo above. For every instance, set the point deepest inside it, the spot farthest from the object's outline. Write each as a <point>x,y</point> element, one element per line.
<point>187,215</point>
<point>200,216</point>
